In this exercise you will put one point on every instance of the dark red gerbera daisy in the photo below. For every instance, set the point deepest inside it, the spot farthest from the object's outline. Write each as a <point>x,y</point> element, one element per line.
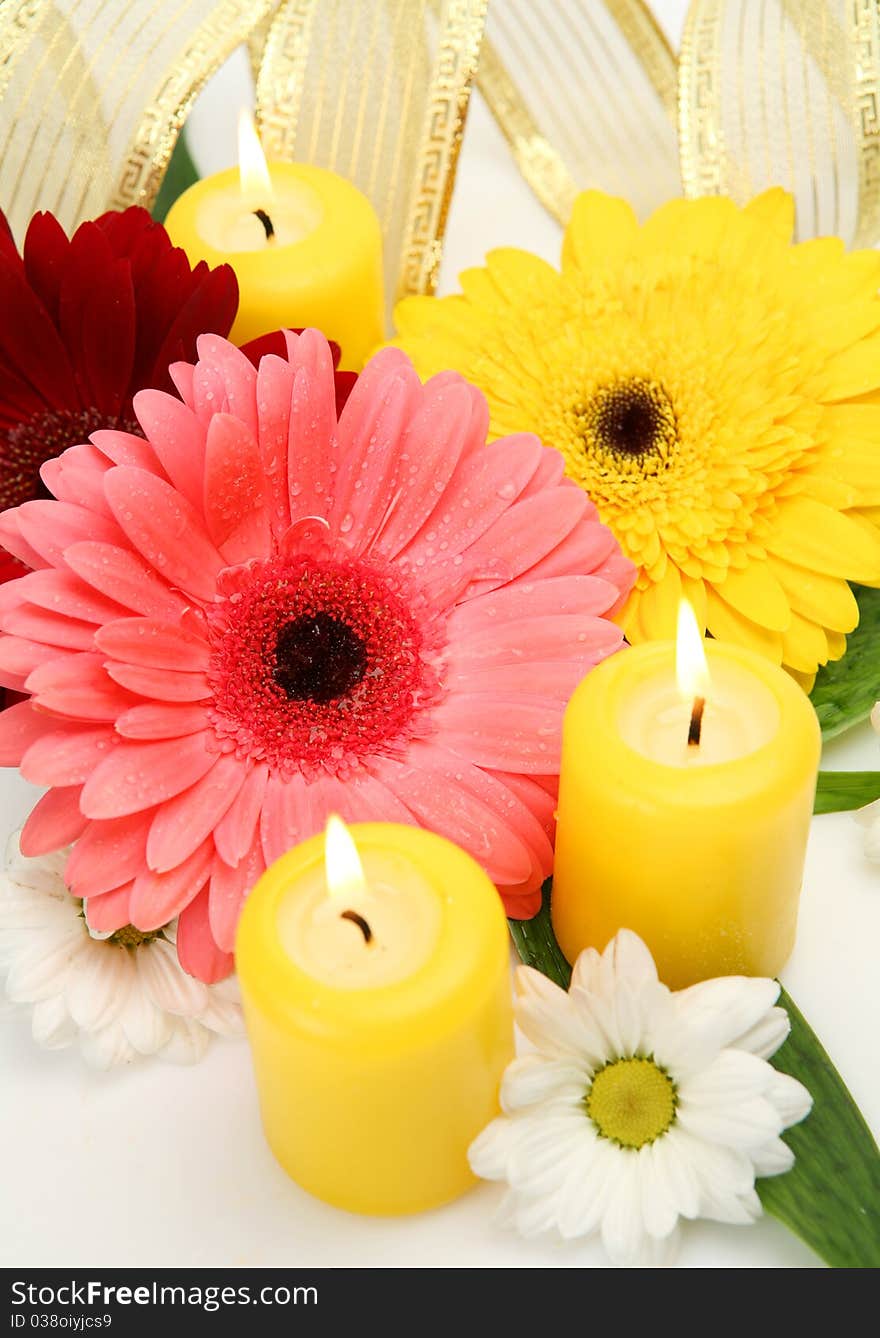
<point>86,322</point>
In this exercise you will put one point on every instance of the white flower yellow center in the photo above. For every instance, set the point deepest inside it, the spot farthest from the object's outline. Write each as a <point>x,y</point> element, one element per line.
<point>631,1102</point>
<point>129,937</point>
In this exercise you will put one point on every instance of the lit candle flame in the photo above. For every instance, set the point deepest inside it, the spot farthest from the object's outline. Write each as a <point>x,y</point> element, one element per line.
<point>691,669</point>
<point>253,173</point>
<point>346,880</point>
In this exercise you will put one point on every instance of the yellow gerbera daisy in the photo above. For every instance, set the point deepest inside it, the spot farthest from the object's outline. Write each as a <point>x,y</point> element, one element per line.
<point>714,388</point>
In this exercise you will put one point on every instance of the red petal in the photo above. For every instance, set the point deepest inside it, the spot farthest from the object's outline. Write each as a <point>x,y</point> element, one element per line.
<point>158,897</point>
<point>139,775</point>
<point>198,953</point>
<point>54,823</point>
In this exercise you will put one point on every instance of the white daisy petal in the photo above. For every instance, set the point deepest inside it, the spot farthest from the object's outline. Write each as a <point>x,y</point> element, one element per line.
<point>632,960</point>
<point>106,1048</point>
<point>187,1043</point>
<point>583,1198</point>
<point>222,1015</point>
<point>170,988</point>
<point>146,1026</point>
<point>768,1033</point>
<point>680,1177</point>
<point>623,1227</point>
<point>722,1010</point>
<point>658,1199</point>
<point>51,1024</point>
<point>790,1098</point>
<point>774,1158</point>
<point>532,1078</point>
<point>489,1152</point>
<point>585,972</point>
<point>96,993</point>
<point>36,971</point>
<point>531,1217</point>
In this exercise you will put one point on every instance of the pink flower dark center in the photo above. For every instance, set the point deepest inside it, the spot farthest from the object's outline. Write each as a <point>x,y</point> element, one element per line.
<point>41,438</point>
<point>318,657</point>
<point>317,664</point>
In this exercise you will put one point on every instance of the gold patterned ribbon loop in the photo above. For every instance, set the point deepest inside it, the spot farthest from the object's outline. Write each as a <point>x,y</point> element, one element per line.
<point>584,91</point>
<point>378,91</point>
<point>786,92</point>
<point>94,96</point>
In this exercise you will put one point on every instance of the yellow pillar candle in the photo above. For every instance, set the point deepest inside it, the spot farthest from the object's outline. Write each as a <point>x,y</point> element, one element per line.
<point>698,847</point>
<point>305,244</point>
<point>378,1007</point>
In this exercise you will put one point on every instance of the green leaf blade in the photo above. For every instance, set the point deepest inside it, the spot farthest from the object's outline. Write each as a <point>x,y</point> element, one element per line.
<point>845,691</point>
<point>840,791</point>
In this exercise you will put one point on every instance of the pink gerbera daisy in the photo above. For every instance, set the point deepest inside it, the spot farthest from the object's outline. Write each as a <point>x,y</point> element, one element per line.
<point>260,615</point>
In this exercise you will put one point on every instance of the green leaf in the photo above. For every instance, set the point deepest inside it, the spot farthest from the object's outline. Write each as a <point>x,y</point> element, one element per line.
<point>831,1197</point>
<point>845,692</point>
<point>180,174</point>
<point>837,791</point>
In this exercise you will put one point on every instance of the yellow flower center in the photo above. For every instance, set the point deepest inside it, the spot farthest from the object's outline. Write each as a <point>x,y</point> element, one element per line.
<point>129,937</point>
<point>631,1102</point>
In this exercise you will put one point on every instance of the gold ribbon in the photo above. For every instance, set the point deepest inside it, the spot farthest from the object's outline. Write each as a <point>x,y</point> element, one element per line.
<point>587,92</point>
<point>93,97</point>
<point>765,92</point>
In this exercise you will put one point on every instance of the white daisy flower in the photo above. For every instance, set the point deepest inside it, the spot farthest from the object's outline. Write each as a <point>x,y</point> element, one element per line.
<point>119,995</point>
<point>639,1106</point>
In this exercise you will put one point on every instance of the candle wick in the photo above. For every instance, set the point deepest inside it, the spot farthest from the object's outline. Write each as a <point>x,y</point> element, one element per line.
<point>696,725</point>
<point>361,924</point>
<point>268,225</point>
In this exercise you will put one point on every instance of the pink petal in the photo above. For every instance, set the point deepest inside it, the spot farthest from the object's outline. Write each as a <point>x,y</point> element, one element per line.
<point>181,374</point>
<point>165,685</point>
<point>432,447</point>
<point>124,448</point>
<point>52,629</point>
<point>525,598</point>
<point>69,483</point>
<point>234,494</point>
<point>20,727</point>
<point>165,528</point>
<point>312,440</point>
<point>125,578</point>
<point>482,490</point>
<point>157,897</point>
<point>111,910</point>
<point>586,548</point>
<point>161,720</point>
<point>286,817</point>
<point>539,794</point>
<point>78,686</point>
<point>54,823</point>
<point>153,644</point>
<point>228,890</point>
<point>436,793</point>
<point>235,832</point>
<point>529,530</point>
<point>183,823</point>
<point>238,376</point>
<point>554,637</point>
<point>19,657</point>
<point>274,395</point>
<point>13,541</point>
<point>67,756</point>
<point>138,775</point>
<point>56,590</point>
<point>369,475</point>
<point>513,735</point>
<point>178,439</point>
<point>50,527</point>
<point>365,798</point>
<point>198,953</point>
<point>549,680</point>
<point>108,854</point>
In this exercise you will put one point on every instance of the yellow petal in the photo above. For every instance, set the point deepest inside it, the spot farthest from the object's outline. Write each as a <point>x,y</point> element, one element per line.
<point>806,681</point>
<point>815,536</point>
<point>836,644</point>
<point>853,372</point>
<point>804,645</point>
<point>827,600</point>
<point>755,592</point>
<point>602,228</point>
<point>773,210</point>
<point>690,227</point>
<point>658,610</point>
<point>522,278</point>
<point>726,624</point>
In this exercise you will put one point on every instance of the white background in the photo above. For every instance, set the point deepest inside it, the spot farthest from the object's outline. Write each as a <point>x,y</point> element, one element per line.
<point>157,1167</point>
